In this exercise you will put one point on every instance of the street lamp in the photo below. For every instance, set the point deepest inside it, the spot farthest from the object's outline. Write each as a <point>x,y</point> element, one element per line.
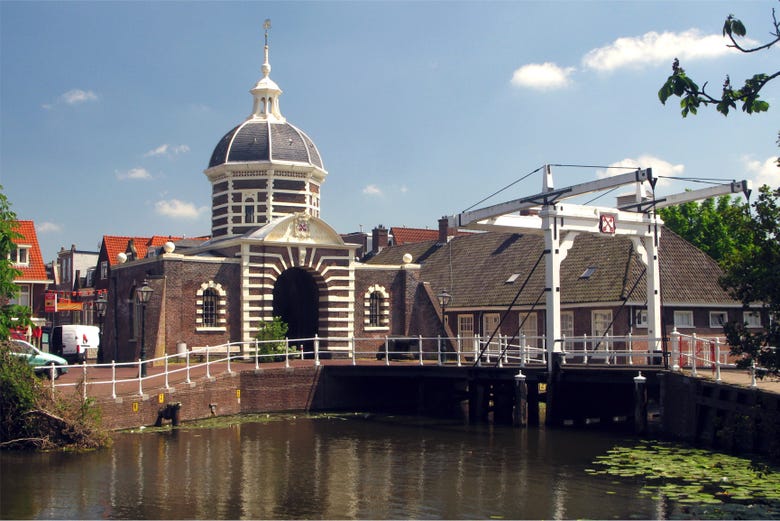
<point>100,306</point>
<point>444,299</point>
<point>143,294</point>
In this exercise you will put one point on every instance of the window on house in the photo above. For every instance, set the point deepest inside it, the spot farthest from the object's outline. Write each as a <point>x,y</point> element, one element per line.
<point>588,273</point>
<point>752,318</point>
<point>211,307</point>
<point>567,323</point>
<point>249,211</point>
<point>23,298</point>
<point>718,318</point>
<point>374,308</point>
<point>529,328</point>
<point>683,319</point>
<point>640,318</point>
<point>466,326</point>
<point>103,270</point>
<point>210,300</point>
<point>21,256</point>
<point>601,322</point>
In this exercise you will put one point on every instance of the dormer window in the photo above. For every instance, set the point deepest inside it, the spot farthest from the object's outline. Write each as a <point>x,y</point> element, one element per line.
<point>20,256</point>
<point>588,273</point>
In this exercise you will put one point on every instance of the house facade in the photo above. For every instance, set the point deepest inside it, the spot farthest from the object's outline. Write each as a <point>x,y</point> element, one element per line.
<point>33,278</point>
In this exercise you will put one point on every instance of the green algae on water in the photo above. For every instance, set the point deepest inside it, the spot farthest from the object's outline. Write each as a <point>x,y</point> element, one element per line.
<point>704,484</point>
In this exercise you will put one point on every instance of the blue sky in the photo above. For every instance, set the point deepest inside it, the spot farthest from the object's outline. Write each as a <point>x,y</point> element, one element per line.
<point>110,110</point>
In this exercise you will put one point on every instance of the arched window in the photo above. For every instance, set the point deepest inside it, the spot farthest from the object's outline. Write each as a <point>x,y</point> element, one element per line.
<point>210,301</point>
<point>376,308</point>
<point>211,307</point>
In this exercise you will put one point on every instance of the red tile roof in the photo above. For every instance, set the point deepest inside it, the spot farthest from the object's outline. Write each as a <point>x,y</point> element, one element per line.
<point>35,271</point>
<point>116,244</point>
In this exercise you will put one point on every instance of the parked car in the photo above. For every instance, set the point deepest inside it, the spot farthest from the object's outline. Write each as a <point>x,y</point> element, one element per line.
<point>40,361</point>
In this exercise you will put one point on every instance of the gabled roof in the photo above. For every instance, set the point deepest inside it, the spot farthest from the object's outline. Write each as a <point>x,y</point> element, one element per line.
<point>476,269</point>
<point>35,270</point>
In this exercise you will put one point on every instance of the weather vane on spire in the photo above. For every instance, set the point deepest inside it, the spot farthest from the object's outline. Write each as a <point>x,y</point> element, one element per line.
<point>266,26</point>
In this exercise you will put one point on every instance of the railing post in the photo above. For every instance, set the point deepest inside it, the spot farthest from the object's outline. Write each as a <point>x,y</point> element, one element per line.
<point>51,380</point>
<point>257,354</point>
<point>387,351</point>
<point>438,349</point>
<point>286,353</point>
<point>717,359</point>
<point>630,349</point>
<point>607,347</point>
<point>316,350</point>
<point>84,374</point>
<point>675,350</point>
<point>166,373</point>
<point>500,348</point>
<point>523,350</point>
<point>208,368</point>
<point>460,349</point>
<point>187,359</point>
<point>477,346</point>
<point>228,358</point>
<point>585,356</point>
<point>419,348</point>
<point>113,379</point>
<point>352,346</point>
<point>140,379</point>
<point>692,350</point>
<point>753,382</point>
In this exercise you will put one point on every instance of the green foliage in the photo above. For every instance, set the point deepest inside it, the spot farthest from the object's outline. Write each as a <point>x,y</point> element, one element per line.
<point>692,97</point>
<point>276,329</point>
<point>11,315</point>
<point>752,276</point>
<point>19,391</point>
<point>719,227</point>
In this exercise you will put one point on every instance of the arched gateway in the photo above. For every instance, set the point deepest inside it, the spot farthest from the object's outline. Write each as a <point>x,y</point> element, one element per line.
<point>296,301</point>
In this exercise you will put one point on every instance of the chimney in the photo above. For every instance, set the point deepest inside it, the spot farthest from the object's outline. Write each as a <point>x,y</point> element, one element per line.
<point>379,238</point>
<point>444,230</point>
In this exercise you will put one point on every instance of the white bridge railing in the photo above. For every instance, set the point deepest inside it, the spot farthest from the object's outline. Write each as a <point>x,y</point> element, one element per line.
<point>523,351</point>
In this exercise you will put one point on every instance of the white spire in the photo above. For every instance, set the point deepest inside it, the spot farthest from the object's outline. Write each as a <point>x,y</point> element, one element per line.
<point>266,93</point>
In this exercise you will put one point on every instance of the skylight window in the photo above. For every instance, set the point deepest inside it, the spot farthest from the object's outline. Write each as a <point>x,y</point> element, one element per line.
<point>589,271</point>
<point>512,278</point>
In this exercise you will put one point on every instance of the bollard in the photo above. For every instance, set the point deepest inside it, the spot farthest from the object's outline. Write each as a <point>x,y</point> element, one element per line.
<point>640,404</point>
<point>171,411</point>
<point>520,416</point>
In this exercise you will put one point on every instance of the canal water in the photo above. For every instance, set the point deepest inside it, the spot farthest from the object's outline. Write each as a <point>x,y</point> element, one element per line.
<point>328,467</point>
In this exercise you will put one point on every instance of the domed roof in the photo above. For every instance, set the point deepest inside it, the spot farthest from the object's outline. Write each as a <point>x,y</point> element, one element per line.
<point>266,135</point>
<point>265,140</point>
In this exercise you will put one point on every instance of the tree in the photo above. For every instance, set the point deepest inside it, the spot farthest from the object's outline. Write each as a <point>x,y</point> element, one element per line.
<point>752,276</point>
<point>691,96</point>
<point>11,315</point>
<point>272,338</point>
<point>719,227</point>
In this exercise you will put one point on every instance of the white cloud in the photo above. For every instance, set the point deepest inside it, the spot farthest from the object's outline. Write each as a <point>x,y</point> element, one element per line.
<point>48,227</point>
<point>372,190</point>
<point>166,149</point>
<point>655,48</point>
<point>177,209</point>
<point>76,96</point>
<point>763,172</point>
<point>542,76</point>
<point>661,169</point>
<point>404,189</point>
<point>72,97</point>
<point>133,173</point>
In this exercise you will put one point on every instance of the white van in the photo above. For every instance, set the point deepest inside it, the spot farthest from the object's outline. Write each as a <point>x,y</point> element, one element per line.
<point>74,342</point>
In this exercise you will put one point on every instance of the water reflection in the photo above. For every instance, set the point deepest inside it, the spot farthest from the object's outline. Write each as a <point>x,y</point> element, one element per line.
<point>345,468</point>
